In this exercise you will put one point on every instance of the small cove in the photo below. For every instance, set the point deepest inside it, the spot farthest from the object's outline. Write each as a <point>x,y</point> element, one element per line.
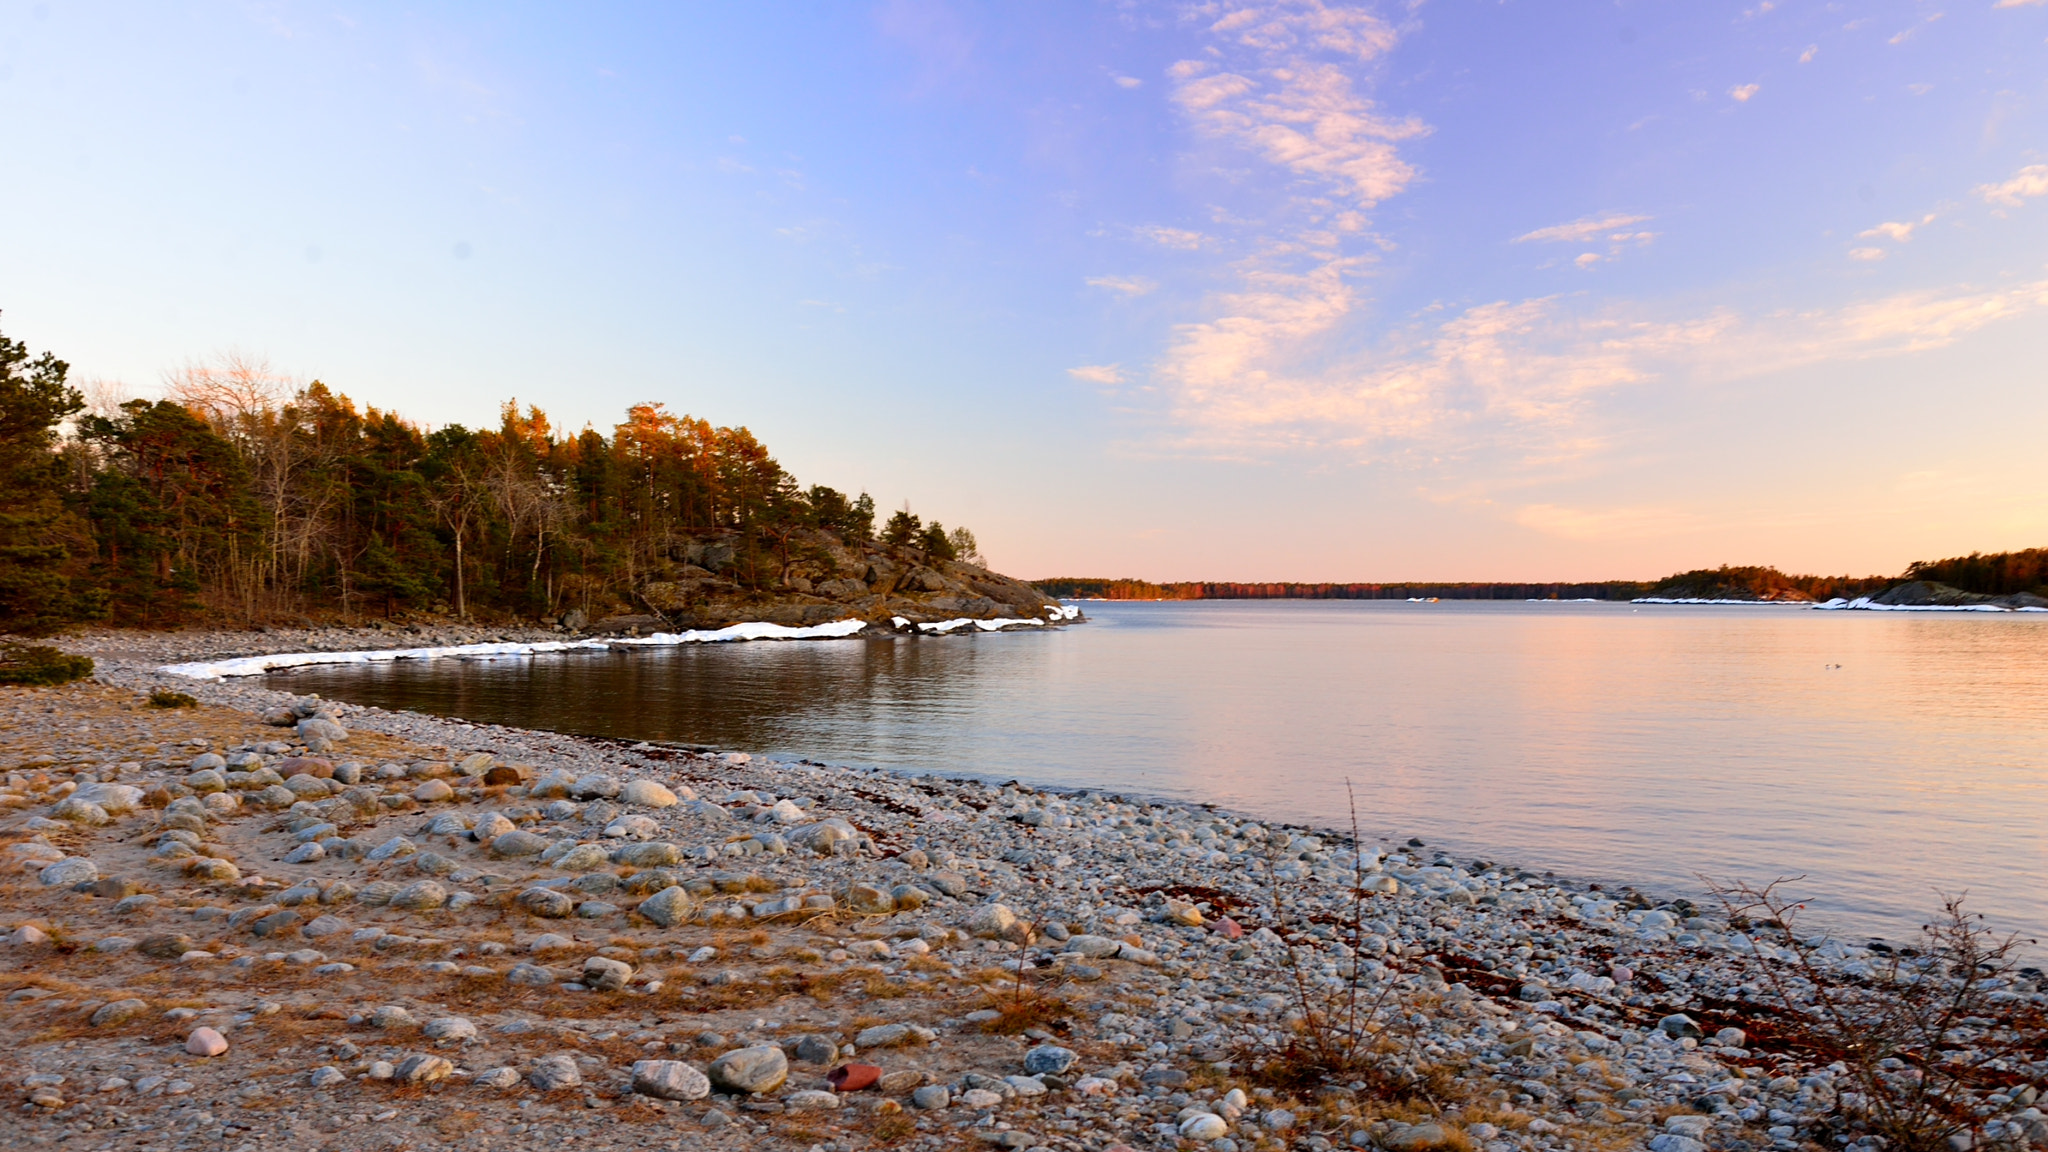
<point>1886,757</point>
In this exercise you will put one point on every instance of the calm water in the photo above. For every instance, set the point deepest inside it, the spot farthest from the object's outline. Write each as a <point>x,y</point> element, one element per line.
<point>1886,756</point>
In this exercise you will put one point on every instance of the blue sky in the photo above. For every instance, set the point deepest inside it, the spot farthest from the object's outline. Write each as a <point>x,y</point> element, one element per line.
<point>1234,290</point>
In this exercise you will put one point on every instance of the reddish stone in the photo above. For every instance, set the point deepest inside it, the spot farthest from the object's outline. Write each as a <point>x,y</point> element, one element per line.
<point>853,1077</point>
<point>308,765</point>
<point>1227,928</point>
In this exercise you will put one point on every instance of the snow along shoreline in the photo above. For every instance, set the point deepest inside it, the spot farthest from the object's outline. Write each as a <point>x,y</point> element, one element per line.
<point>1838,604</point>
<point>835,630</point>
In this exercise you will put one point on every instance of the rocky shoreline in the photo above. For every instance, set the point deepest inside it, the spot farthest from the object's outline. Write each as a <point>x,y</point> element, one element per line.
<point>267,918</point>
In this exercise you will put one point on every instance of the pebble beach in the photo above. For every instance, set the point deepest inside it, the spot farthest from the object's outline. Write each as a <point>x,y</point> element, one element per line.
<point>271,920</point>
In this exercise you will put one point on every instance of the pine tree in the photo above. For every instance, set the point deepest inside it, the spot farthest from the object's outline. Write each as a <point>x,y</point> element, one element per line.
<point>36,595</point>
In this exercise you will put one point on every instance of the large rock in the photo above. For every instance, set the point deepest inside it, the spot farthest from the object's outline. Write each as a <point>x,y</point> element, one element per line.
<point>647,794</point>
<point>594,785</point>
<point>882,1036</point>
<point>78,811</point>
<point>519,843</point>
<point>547,902</point>
<point>118,1012</point>
<point>993,922</point>
<point>166,945</point>
<point>868,899</point>
<point>750,1071</point>
<point>556,1071</point>
<point>449,1028</point>
<point>394,847</point>
<point>655,854</point>
<point>423,1069</point>
<point>584,858</point>
<point>1049,1059</point>
<point>1093,947</point>
<point>669,1080</point>
<point>825,836</point>
<point>424,896</point>
<point>116,799</point>
<point>606,974</point>
<point>321,728</point>
<point>668,907</point>
<point>68,871</point>
<point>206,1042</point>
<point>490,826</point>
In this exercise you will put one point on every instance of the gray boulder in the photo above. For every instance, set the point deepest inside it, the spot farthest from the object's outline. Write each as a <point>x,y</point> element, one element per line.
<point>669,1080</point>
<point>556,1071</point>
<point>750,1071</point>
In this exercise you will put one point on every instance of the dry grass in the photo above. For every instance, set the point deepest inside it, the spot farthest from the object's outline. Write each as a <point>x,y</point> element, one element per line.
<point>879,987</point>
<point>1023,1008</point>
<point>892,1128</point>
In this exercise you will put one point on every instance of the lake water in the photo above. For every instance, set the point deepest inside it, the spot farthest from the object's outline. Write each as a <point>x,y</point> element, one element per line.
<point>1888,757</point>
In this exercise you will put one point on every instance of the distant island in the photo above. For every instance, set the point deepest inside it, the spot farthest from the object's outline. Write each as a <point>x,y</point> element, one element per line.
<point>236,503</point>
<point>1991,580</point>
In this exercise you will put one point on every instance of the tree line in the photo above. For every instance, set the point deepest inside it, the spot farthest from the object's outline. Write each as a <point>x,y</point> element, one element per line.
<point>239,499</point>
<point>1094,588</point>
<point>1990,574</point>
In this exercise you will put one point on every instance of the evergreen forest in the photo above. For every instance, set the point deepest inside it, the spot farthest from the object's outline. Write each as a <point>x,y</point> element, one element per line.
<point>237,500</point>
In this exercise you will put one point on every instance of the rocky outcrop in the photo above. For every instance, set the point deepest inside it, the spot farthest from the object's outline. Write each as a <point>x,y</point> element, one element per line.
<point>1930,594</point>
<point>823,579</point>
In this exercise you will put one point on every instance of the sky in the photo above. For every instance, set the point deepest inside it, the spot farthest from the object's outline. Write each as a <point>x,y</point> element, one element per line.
<point>1231,290</point>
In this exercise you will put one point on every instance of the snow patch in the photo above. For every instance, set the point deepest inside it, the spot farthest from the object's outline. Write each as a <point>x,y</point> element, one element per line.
<point>257,665</point>
<point>1865,604</point>
<point>1710,600</point>
<point>836,630</point>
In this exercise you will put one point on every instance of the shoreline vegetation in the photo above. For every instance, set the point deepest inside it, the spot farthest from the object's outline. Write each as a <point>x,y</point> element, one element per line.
<point>246,500</point>
<point>230,910</point>
<point>1979,581</point>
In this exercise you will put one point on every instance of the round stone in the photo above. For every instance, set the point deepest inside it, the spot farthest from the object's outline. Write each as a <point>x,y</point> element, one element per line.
<point>556,1071</point>
<point>669,1080</point>
<point>750,1071</point>
<point>647,794</point>
<point>68,871</point>
<point>206,1042</point>
<point>118,1012</point>
<point>1049,1059</point>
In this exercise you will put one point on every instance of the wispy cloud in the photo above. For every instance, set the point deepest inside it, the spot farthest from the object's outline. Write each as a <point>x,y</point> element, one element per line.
<point>2018,3</point>
<point>1581,230</point>
<point>1306,116</point>
<point>1527,378</point>
<point>1899,230</point>
<point>1124,285</point>
<point>1742,92</point>
<point>1106,375</point>
<point>2025,184</point>
<point>1283,84</point>
<point>1866,253</point>
<point>1167,237</point>
<point>1127,81</point>
<point>1807,56</point>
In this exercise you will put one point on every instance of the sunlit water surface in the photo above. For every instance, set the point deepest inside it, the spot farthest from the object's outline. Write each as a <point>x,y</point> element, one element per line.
<point>1887,757</point>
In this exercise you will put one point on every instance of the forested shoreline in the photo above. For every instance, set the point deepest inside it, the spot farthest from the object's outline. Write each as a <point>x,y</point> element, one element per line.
<point>239,500</point>
<point>1999,574</point>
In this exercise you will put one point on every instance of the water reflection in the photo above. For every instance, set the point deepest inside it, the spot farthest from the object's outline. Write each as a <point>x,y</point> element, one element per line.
<point>1885,756</point>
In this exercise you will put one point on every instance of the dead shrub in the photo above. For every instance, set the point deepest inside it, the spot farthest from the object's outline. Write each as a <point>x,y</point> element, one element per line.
<point>891,1128</point>
<point>1348,1033</point>
<point>1920,1036</point>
